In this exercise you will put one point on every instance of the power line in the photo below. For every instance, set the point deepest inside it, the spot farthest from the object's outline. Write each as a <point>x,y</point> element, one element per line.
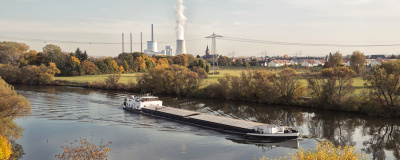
<point>77,42</point>
<point>302,44</point>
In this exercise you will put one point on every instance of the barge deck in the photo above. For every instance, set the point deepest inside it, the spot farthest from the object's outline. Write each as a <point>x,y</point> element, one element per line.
<point>202,119</point>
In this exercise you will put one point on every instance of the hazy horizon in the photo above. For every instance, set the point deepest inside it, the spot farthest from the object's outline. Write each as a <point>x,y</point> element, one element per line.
<point>359,22</point>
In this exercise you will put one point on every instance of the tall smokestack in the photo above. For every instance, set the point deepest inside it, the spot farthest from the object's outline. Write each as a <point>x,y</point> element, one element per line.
<point>131,43</point>
<point>123,43</point>
<point>180,47</point>
<point>141,43</point>
<point>152,35</point>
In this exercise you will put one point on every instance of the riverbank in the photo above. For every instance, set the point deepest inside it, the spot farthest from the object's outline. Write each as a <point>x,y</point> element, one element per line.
<point>358,82</point>
<point>128,83</point>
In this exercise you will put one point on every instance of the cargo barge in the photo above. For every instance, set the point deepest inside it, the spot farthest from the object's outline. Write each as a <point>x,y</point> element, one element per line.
<point>151,105</point>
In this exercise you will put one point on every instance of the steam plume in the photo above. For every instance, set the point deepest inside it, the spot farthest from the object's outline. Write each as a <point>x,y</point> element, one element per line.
<point>181,19</point>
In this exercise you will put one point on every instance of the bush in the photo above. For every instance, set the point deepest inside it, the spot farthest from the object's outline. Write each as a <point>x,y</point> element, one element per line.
<point>326,151</point>
<point>175,79</point>
<point>84,149</point>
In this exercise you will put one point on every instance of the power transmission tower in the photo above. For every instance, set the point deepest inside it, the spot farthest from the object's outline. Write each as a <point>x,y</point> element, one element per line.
<point>214,50</point>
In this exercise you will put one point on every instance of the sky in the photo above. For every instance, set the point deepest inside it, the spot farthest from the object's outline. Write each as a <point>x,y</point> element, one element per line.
<point>343,24</point>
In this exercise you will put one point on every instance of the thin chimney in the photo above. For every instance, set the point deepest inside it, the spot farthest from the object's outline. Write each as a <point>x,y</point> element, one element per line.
<point>141,43</point>
<point>131,42</point>
<point>152,36</point>
<point>122,42</point>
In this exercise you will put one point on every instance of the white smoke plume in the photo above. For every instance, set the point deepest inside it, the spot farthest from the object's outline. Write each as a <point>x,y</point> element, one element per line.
<point>181,19</point>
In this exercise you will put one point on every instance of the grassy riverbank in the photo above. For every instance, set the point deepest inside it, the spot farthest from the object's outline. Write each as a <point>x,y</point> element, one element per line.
<point>125,78</point>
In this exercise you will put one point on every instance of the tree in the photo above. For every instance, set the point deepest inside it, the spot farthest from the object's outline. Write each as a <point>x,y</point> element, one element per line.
<point>288,85</point>
<point>332,86</point>
<point>5,148</point>
<point>239,62</point>
<point>254,62</point>
<point>12,106</point>
<point>358,62</point>
<point>335,60</point>
<point>172,80</point>
<point>128,58</point>
<point>162,62</point>
<point>51,48</point>
<point>223,61</point>
<point>181,60</point>
<point>76,68</point>
<point>111,65</point>
<point>81,55</point>
<point>112,80</point>
<point>190,57</point>
<point>140,65</point>
<point>52,51</point>
<point>126,67</point>
<point>10,52</point>
<point>200,63</point>
<point>83,149</point>
<point>9,73</point>
<point>150,63</point>
<point>88,67</point>
<point>38,59</point>
<point>385,85</point>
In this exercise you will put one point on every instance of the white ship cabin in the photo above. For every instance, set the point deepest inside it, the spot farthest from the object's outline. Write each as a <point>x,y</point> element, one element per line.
<point>140,102</point>
<point>271,129</point>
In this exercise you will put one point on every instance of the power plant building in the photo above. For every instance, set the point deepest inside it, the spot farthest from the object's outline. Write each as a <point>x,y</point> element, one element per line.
<point>180,47</point>
<point>152,45</point>
<point>168,51</point>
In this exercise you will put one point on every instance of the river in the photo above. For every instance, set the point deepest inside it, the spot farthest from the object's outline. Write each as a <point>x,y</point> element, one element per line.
<point>68,113</point>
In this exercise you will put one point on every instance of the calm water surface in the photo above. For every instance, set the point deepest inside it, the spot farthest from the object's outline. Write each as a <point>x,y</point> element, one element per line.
<point>67,113</point>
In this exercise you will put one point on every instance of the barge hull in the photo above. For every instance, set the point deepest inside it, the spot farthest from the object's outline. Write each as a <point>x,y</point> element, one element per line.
<point>210,121</point>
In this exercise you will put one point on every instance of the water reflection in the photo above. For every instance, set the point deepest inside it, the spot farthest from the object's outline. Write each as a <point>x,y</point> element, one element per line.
<point>379,137</point>
<point>385,136</point>
<point>267,145</point>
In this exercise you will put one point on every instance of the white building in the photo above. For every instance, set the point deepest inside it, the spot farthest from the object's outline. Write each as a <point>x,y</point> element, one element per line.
<point>309,63</point>
<point>279,63</point>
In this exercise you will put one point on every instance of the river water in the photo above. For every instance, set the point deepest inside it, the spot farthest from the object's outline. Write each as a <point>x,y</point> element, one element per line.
<point>68,113</point>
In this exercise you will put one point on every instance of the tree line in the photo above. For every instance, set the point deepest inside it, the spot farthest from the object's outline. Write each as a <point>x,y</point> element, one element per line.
<point>330,88</point>
<point>18,64</point>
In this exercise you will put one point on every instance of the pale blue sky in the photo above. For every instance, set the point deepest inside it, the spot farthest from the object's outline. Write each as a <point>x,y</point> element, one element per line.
<point>347,22</point>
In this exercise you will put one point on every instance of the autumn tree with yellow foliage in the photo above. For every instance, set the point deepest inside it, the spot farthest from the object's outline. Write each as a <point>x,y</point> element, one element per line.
<point>85,150</point>
<point>5,148</point>
<point>12,106</point>
<point>325,151</point>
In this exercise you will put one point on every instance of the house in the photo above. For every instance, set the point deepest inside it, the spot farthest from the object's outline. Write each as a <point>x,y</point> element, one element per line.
<point>275,63</point>
<point>279,63</point>
<point>346,62</point>
<point>378,62</point>
<point>309,63</point>
<point>321,62</point>
<point>296,61</point>
<point>377,57</point>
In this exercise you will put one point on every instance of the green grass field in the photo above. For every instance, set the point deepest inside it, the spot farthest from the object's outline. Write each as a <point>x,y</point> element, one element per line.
<point>99,78</point>
<point>125,78</point>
